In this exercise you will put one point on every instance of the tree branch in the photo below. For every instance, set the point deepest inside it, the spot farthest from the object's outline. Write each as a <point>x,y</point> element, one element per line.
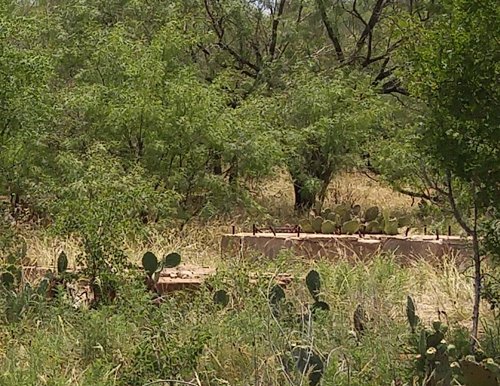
<point>274,32</point>
<point>219,30</point>
<point>394,86</point>
<point>374,18</point>
<point>329,29</point>
<point>454,208</point>
<point>414,194</point>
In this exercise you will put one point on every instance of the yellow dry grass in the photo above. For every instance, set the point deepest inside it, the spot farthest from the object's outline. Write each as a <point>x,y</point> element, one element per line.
<point>200,242</point>
<point>198,245</point>
<point>353,188</point>
<point>443,292</point>
<point>360,189</point>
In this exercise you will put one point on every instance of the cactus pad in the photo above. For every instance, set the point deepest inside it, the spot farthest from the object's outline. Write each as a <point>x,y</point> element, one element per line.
<point>323,306</point>
<point>373,227</point>
<point>328,227</point>
<point>359,319</point>
<point>307,361</point>
<point>332,216</point>
<point>341,209</point>
<point>372,213</point>
<point>43,287</point>
<point>351,227</point>
<point>7,279</point>
<point>316,224</point>
<point>326,213</point>
<point>391,227</point>
<point>276,295</point>
<point>313,283</point>
<point>221,298</point>
<point>413,319</point>
<point>404,221</point>
<point>62,263</point>
<point>305,226</point>
<point>149,263</point>
<point>172,260</point>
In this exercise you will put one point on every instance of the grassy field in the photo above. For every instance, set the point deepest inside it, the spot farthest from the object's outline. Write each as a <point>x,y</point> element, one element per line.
<point>189,338</point>
<point>196,342</point>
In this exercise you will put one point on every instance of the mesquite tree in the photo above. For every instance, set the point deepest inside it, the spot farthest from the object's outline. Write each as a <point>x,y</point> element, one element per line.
<point>450,153</point>
<point>347,45</point>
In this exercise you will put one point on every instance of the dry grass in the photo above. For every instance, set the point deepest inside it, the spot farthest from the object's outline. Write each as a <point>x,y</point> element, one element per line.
<point>197,244</point>
<point>360,189</point>
<point>443,292</point>
<point>441,289</point>
<point>353,188</point>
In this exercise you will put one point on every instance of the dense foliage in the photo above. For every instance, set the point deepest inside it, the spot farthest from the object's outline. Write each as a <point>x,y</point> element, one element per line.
<point>120,117</point>
<point>191,106</point>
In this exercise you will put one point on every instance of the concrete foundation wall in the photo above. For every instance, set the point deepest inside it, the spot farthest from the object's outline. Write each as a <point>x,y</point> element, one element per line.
<point>334,246</point>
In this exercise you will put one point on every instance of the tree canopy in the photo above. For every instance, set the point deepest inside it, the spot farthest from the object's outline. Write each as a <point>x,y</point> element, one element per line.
<point>199,97</point>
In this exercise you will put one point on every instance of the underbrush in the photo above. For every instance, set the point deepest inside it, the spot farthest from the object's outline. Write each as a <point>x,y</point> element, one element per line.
<point>190,339</point>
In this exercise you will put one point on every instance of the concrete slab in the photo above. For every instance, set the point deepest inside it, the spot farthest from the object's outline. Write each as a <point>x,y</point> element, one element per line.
<point>183,277</point>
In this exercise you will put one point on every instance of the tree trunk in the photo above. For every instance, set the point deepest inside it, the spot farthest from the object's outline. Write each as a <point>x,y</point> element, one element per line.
<point>233,171</point>
<point>215,162</point>
<point>322,193</point>
<point>304,199</point>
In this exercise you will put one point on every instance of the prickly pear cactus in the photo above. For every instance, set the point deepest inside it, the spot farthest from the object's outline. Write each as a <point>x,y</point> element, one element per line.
<point>276,295</point>
<point>319,306</point>
<point>334,217</point>
<point>325,213</point>
<point>371,213</point>
<point>479,374</point>
<point>306,226</point>
<point>359,319</point>
<point>308,362</point>
<point>413,319</point>
<point>43,287</point>
<point>404,221</point>
<point>328,227</point>
<point>373,227</point>
<point>276,298</point>
<point>344,212</point>
<point>316,224</point>
<point>172,260</point>
<point>7,280</point>
<point>351,227</point>
<point>391,227</point>
<point>150,263</point>
<point>62,263</point>
<point>221,298</point>
<point>434,360</point>
<point>313,283</point>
